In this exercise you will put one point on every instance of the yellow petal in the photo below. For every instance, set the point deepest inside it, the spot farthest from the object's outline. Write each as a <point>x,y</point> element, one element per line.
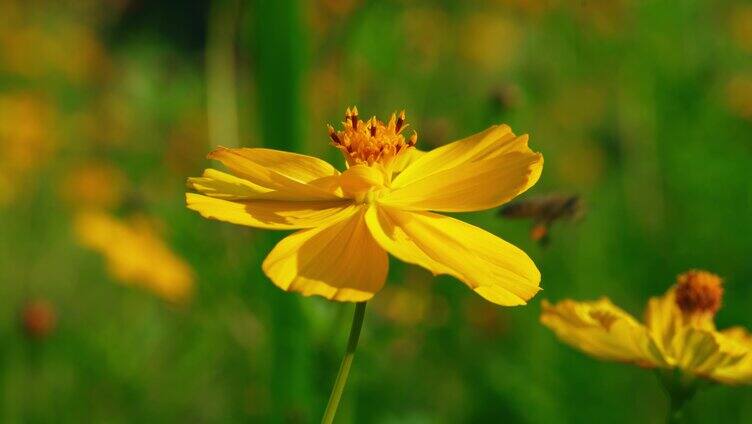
<point>225,186</point>
<point>292,165</point>
<point>270,214</point>
<point>359,179</point>
<point>405,159</point>
<point>473,186</point>
<point>292,176</point>
<point>741,371</point>
<point>601,329</point>
<point>704,352</point>
<point>691,343</point>
<point>666,324</point>
<point>496,140</point>
<point>340,262</point>
<point>495,269</point>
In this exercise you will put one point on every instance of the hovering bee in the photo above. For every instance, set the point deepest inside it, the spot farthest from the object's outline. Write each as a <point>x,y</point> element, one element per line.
<point>544,211</point>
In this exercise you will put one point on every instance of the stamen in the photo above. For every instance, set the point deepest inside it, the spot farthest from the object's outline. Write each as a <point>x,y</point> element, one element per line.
<point>373,142</point>
<point>352,115</point>
<point>400,122</point>
<point>699,292</point>
<point>333,134</point>
<point>413,139</point>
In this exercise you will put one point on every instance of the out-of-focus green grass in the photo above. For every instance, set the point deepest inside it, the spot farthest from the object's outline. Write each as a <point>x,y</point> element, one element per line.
<point>644,108</point>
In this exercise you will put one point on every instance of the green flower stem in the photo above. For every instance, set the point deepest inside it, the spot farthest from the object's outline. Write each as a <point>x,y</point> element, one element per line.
<point>680,389</point>
<point>676,407</point>
<point>344,368</point>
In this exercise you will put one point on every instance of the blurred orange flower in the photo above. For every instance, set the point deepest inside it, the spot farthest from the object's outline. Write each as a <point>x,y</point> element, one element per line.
<point>136,255</point>
<point>27,131</point>
<point>94,185</point>
<point>38,319</point>
<point>27,136</point>
<point>740,26</point>
<point>37,51</point>
<point>739,96</point>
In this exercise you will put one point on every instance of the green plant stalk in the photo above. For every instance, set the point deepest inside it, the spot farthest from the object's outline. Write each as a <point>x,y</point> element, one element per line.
<point>680,389</point>
<point>279,46</point>
<point>676,408</point>
<point>221,84</point>
<point>344,369</point>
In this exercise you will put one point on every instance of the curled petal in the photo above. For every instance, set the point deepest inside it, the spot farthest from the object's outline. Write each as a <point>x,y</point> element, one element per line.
<point>740,372</point>
<point>703,352</point>
<point>603,330</point>
<point>495,269</point>
<point>340,261</point>
<point>292,165</point>
<point>270,214</point>
<point>221,185</point>
<point>292,176</point>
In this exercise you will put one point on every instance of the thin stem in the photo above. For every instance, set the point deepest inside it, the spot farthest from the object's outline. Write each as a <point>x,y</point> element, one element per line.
<point>680,389</point>
<point>344,368</point>
<point>676,407</point>
<point>675,412</point>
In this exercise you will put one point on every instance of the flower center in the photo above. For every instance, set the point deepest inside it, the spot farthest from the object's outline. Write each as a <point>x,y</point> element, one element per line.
<point>371,141</point>
<point>699,292</point>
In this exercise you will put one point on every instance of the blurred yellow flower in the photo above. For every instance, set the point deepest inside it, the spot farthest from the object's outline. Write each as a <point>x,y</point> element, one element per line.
<point>349,220</point>
<point>488,41</point>
<point>36,51</point>
<point>136,255</point>
<point>679,331</point>
<point>28,137</point>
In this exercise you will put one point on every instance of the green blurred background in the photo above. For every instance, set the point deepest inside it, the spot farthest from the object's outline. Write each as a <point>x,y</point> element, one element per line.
<point>644,108</point>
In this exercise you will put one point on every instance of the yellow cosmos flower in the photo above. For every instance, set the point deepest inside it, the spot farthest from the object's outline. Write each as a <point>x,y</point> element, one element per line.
<point>136,255</point>
<point>381,203</point>
<point>678,333</point>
